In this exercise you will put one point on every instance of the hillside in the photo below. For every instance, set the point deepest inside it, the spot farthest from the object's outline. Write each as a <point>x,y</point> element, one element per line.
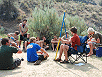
<point>92,14</point>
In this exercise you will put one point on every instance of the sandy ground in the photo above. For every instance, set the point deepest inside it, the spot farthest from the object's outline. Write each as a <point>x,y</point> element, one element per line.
<point>50,68</point>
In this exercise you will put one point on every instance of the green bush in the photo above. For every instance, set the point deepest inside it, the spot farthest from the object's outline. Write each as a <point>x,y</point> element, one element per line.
<point>78,23</point>
<point>48,23</point>
<point>2,30</point>
<point>44,23</point>
<point>100,3</point>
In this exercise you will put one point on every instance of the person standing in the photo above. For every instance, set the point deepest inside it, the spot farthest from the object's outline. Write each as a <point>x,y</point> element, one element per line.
<point>23,27</point>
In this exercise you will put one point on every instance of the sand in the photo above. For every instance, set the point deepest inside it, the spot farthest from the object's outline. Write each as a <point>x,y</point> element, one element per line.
<point>50,68</point>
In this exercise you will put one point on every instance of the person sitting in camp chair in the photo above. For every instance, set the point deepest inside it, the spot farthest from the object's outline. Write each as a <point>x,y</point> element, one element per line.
<point>93,41</point>
<point>63,47</point>
<point>98,38</point>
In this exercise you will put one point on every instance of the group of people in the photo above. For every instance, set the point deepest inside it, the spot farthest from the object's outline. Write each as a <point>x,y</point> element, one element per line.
<point>11,45</point>
<point>35,45</point>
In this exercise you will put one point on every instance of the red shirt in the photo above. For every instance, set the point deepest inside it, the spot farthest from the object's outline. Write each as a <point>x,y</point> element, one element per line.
<point>75,40</point>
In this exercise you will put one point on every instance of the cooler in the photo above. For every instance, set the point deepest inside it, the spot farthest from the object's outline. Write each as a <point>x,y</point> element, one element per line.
<point>99,52</point>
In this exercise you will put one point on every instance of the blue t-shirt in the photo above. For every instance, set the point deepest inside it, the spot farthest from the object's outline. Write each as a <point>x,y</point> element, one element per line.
<point>32,48</point>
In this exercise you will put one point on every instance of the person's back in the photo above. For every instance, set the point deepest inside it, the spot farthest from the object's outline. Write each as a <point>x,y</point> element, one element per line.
<point>75,40</point>
<point>6,59</point>
<point>6,53</point>
<point>98,35</point>
<point>31,52</point>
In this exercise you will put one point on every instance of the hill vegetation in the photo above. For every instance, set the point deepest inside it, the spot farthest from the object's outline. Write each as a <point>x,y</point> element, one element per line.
<point>88,10</point>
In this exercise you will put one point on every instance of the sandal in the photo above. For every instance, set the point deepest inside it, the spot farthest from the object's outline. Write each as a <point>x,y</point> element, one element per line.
<point>37,62</point>
<point>64,61</point>
<point>57,60</point>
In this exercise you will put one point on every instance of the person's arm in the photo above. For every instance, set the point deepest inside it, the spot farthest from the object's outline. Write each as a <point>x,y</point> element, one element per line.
<point>15,50</point>
<point>25,31</point>
<point>13,44</point>
<point>98,40</point>
<point>25,45</point>
<point>44,51</point>
<point>40,52</point>
<point>8,35</point>
<point>20,30</point>
<point>19,50</point>
<point>54,41</point>
<point>64,41</point>
<point>17,37</point>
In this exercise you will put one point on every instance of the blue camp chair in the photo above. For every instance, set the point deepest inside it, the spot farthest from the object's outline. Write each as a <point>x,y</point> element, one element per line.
<point>81,51</point>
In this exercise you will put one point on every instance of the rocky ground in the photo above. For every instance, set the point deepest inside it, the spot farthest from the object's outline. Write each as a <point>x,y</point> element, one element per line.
<point>50,68</point>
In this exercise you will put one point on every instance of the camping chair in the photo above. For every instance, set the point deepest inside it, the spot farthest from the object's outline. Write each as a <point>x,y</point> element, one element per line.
<point>80,53</point>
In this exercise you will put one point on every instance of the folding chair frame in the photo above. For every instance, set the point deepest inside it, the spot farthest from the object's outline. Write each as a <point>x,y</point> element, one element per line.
<point>78,56</point>
<point>80,53</point>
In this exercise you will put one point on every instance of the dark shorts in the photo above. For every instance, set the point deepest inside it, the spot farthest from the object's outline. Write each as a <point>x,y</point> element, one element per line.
<point>22,37</point>
<point>71,51</point>
<point>41,57</point>
<point>15,64</point>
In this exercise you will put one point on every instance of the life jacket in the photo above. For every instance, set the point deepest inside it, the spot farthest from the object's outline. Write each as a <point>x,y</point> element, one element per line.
<point>23,25</point>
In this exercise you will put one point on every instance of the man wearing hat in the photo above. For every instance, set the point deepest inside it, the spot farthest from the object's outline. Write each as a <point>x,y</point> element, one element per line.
<point>64,37</point>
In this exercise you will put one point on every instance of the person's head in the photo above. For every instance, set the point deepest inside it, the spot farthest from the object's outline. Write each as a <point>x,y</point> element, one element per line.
<point>73,30</point>
<point>32,40</point>
<point>66,33</point>
<point>55,37</point>
<point>17,32</point>
<point>37,38</point>
<point>24,21</point>
<point>44,38</point>
<point>90,31</point>
<point>28,35</point>
<point>5,41</point>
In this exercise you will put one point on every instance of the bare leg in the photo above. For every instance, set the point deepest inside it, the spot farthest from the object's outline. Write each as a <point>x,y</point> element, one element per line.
<point>41,44</point>
<point>56,47</point>
<point>61,51</point>
<point>91,48</point>
<point>65,49</point>
<point>53,46</point>
<point>17,42</point>
<point>25,45</point>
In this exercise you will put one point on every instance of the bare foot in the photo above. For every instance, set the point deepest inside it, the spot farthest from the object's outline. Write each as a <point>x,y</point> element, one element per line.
<point>89,55</point>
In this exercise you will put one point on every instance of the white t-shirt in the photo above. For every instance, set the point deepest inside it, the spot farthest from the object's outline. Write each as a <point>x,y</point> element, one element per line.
<point>12,34</point>
<point>23,29</point>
